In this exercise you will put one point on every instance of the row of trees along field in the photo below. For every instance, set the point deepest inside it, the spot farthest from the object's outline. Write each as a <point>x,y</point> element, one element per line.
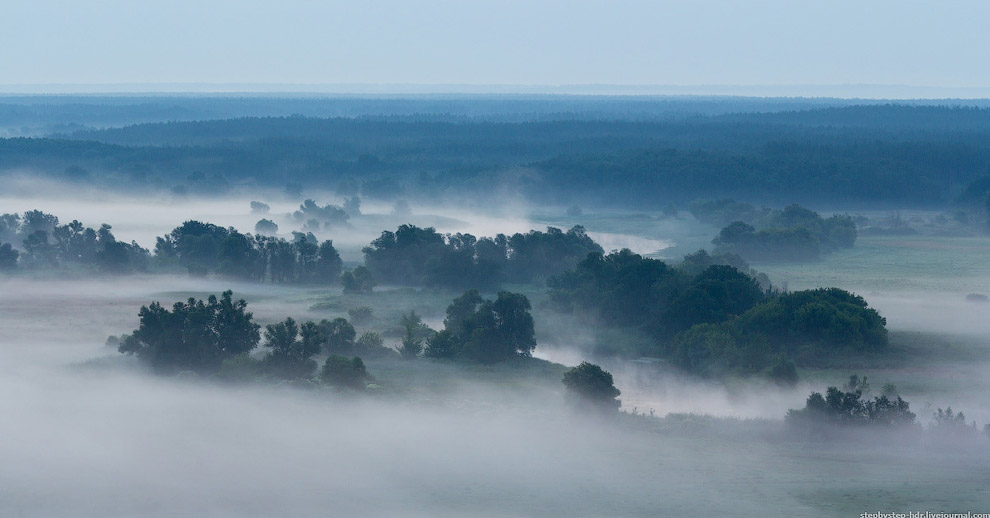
<point>409,256</point>
<point>216,337</point>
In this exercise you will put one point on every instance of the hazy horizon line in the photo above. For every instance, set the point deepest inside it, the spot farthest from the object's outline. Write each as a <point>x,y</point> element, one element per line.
<point>838,91</point>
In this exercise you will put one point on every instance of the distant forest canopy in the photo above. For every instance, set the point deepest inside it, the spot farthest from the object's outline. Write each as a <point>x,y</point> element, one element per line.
<point>791,234</point>
<point>847,156</point>
<point>41,242</point>
<point>29,115</point>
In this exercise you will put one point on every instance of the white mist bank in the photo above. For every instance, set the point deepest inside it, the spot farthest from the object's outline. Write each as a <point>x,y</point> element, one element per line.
<point>105,438</point>
<point>88,434</point>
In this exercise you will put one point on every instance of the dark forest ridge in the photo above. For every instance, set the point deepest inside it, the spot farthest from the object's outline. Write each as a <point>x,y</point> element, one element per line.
<point>39,114</point>
<point>848,156</point>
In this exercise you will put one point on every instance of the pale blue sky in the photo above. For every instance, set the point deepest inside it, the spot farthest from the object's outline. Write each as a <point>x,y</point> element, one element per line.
<point>509,42</point>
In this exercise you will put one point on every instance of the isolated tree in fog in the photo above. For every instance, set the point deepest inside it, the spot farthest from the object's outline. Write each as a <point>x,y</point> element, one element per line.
<point>589,387</point>
<point>194,335</point>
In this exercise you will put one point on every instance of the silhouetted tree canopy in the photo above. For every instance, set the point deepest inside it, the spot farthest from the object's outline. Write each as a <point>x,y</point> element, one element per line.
<point>36,240</point>
<point>844,409</point>
<point>205,247</point>
<point>485,331</point>
<point>195,335</point>
<point>720,321</point>
<point>423,257</point>
<point>591,388</point>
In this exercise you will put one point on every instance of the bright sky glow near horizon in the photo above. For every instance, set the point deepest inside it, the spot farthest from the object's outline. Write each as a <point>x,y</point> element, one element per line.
<point>484,42</point>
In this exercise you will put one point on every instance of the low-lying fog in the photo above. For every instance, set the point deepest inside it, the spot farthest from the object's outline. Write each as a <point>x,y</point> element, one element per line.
<point>88,434</point>
<point>85,432</point>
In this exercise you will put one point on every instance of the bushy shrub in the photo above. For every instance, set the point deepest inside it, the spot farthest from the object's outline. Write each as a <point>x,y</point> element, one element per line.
<point>590,387</point>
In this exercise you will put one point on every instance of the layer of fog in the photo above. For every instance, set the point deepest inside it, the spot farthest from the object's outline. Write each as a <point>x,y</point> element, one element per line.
<point>645,386</point>
<point>105,438</point>
<point>640,245</point>
<point>87,434</point>
<point>144,218</point>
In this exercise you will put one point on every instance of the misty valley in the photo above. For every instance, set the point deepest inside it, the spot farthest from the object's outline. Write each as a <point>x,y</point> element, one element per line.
<point>493,306</point>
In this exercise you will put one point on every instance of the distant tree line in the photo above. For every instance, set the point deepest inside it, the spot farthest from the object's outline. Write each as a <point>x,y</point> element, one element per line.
<point>35,239</point>
<point>411,255</point>
<point>791,234</point>
<point>894,155</point>
<point>203,248</point>
<point>423,257</point>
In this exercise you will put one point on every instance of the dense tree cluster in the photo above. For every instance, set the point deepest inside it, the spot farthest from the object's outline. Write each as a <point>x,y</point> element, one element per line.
<point>205,247</point>
<point>216,337</point>
<point>36,240</point>
<point>805,326</point>
<point>486,331</point>
<point>424,257</point>
<point>842,409</point>
<point>627,289</point>
<point>316,218</point>
<point>194,336</point>
<point>720,320</point>
<point>410,256</point>
<point>791,234</point>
